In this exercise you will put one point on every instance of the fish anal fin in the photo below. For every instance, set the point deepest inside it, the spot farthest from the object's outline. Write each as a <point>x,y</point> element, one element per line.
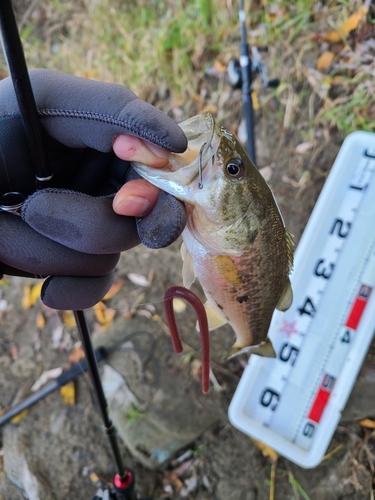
<point>188,273</point>
<point>264,349</point>
<point>286,298</point>
<point>215,318</point>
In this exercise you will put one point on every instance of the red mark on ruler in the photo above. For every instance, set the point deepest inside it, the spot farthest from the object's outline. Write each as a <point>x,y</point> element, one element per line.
<point>358,307</point>
<point>321,398</point>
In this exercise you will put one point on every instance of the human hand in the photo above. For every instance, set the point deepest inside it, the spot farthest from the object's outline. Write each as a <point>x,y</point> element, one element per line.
<point>71,232</point>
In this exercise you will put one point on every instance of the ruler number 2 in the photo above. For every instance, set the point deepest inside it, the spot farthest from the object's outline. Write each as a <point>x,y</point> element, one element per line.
<point>338,228</point>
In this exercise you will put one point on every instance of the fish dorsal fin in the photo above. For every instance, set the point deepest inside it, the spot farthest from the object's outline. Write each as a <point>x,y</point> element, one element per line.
<point>188,274</point>
<point>215,318</point>
<point>290,247</point>
<point>264,349</point>
<point>286,298</point>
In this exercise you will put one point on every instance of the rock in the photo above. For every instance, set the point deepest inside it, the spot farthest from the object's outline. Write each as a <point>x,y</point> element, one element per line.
<point>155,404</point>
<point>20,471</point>
<point>154,420</point>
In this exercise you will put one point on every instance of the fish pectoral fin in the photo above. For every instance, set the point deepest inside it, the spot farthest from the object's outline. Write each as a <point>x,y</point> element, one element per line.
<point>290,247</point>
<point>214,318</point>
<point>286,298</point>
<point>264,349</point>
<point>188,273</point>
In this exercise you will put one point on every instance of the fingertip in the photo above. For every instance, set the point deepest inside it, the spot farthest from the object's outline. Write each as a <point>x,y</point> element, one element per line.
<point>136,198</point>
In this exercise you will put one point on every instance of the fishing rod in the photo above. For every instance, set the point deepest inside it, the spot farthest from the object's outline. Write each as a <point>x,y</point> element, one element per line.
<point>123,481</point>
<point>240,75</point>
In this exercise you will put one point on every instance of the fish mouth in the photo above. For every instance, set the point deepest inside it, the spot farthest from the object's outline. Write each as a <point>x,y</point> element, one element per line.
<point>185,171</point>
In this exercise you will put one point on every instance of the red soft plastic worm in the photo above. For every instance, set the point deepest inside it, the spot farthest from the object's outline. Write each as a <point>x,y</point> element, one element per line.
<point>189,296</point>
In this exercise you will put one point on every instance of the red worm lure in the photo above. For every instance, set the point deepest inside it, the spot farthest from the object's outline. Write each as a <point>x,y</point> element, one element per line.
<point>189,296</point>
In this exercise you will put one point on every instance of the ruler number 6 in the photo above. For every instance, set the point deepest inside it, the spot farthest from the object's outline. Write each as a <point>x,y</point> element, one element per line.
<point>270,398</point>
<point>308,430</point>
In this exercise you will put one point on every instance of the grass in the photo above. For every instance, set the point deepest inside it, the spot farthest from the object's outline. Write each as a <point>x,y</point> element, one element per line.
<point>162,49</point>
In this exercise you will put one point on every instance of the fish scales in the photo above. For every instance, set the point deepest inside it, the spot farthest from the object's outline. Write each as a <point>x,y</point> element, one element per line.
<point>236,242</point>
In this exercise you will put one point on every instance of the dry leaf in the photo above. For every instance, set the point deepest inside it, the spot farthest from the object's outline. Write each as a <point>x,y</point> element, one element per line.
<point>266,450</point>
<point>138,279</point>
<point>68,319</point>
<point>68,393</point>
<point>254,99</point>
<point>3,305</point>
<point>266,173</point>
<point>304,147</point>
<point>370,424</point>
<point>115,288</point>
<point>332,37</point>
<point>19,417</point>
<point>353,21</point>
<point>211,109</point>
<point>26,304</point>
<point>40,321</point>
<point>14,352</point>
<point>94,477</point>
<point>35,292</point>
<point>104,315</point>
<point>57,334</point>
<point>347,26</point>
<point>77,354</point>
<point>221,68</point>
<point>325,60</point>
<point>45,377</point>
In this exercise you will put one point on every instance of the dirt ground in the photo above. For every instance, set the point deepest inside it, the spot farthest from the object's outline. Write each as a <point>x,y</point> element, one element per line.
<point>64,444</point>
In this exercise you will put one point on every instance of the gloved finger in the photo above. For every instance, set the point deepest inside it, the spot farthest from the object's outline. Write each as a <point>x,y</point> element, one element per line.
<point>157,231</point>
<point>75,292</point>
<point>85,113</point>
<point>81,222</point>
<point>166,221</point>
<point>23,248</point>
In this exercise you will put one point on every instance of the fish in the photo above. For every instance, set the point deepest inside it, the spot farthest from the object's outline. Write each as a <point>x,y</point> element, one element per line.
<point>235,240</point>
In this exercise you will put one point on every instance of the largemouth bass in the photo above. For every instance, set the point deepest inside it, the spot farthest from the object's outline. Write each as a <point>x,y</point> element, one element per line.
<point>235,241</point>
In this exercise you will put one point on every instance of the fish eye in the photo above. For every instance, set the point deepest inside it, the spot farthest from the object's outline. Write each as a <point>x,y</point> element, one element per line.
<point>234,168</point>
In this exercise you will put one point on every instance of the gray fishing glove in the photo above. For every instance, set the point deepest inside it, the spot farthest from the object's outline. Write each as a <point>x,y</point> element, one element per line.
<point>70,233</point>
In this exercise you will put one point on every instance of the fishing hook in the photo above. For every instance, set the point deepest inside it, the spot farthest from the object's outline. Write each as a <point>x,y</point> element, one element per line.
<point>200,169</point>
<point>189,296</point>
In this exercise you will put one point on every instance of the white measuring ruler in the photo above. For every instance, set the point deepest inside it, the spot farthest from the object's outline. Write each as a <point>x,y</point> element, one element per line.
<point>294,403</point>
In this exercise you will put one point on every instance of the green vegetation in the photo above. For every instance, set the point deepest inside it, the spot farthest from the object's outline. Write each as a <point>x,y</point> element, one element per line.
<point>162,49</point>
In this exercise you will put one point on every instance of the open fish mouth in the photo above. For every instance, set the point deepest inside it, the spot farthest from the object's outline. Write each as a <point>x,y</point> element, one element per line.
<point>186,170</point>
